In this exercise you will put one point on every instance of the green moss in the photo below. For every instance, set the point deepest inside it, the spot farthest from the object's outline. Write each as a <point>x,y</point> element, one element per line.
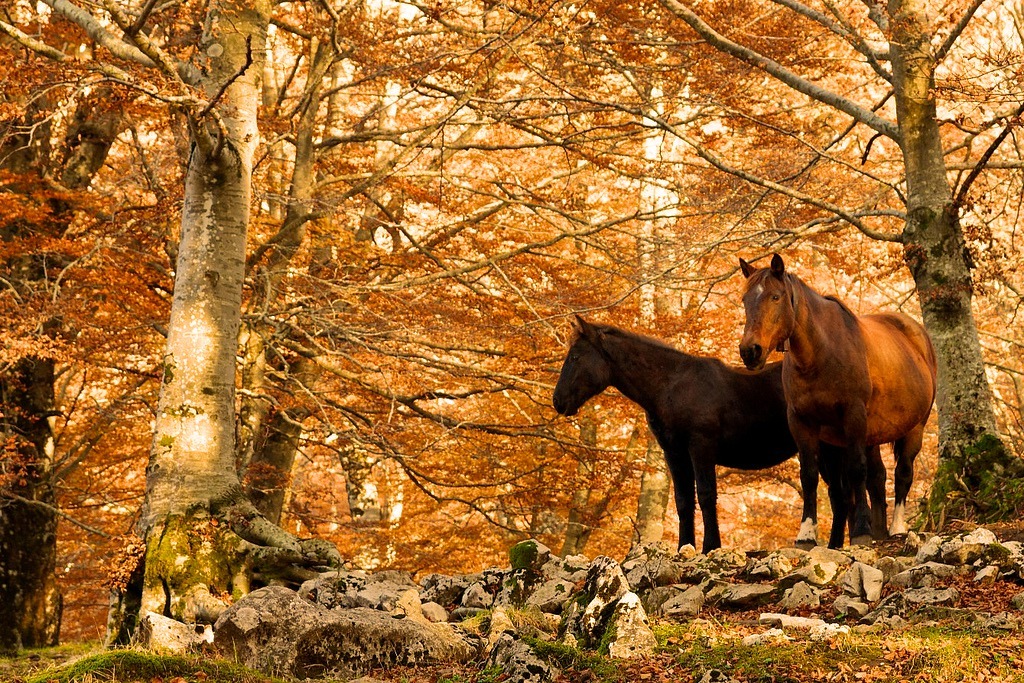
<point>982,483</point>
<point>134,665</point>
<point>567,657</point>
<point>190,550</point>
<point>524,555</point>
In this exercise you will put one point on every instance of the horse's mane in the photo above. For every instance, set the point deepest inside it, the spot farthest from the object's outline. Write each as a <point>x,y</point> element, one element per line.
<point>828,297</point>
<point>613,331</point>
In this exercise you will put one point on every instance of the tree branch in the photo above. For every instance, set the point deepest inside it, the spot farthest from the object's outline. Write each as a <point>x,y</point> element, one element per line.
<point>781,73</point>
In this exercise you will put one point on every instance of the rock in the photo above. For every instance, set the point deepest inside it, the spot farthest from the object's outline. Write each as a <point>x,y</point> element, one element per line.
<point>164,635</point>
<point>717,676</point>
<point>687,552</point>
<point>890,567</point>
<point>650,566</point>
<point>822,554</point>
<point>629,635</point>
<point>500,624</point>
<point>827,632</point>
<point>923,575</point>
<point>725,562</point>
<point>999,622</point>
<point>445,590</point>
<point>586,614</point>
<point>816,572</point>
<point>476,596</point>
<point>529,554</point>
<point>382,595</point>
<point>863,581</point>
<point>853,607</point>
<point>930,596</point>
<point>1018,601</point>
<point>683,605</point>
<point>968,548</point>
<point>517,587</point>
<point>747,595</point>
<point>799,596</point>
<point>331,589</point>
<point>769,637</point>
<point>275,631</point>
<point>785,621</point>
<point>775,566</point>
<point>987,575</point>
<point>550,596</point>
<point>571,569</point>
<point>929,550</point>
<point>863,553</point>
<point>434,612</point>
<point>518,662</point>
<point>409,606</point>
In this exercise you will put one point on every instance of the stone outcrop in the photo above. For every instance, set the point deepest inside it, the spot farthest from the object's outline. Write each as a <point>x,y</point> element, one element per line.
<point>348,622</point>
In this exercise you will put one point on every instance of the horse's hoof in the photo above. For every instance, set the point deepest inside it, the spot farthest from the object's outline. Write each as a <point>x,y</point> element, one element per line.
<point>805,544</point>
<point>862,539</point>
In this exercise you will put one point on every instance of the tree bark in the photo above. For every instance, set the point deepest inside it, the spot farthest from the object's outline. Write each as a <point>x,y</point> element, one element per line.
<point>935,252</point>
<point>30,600</point>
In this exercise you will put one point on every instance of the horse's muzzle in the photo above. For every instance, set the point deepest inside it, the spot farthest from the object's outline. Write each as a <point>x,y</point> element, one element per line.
<point>563,409</point>
<point>753,356</point>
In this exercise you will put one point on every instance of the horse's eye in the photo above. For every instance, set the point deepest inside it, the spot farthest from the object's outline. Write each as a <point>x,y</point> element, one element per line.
<point>775,297</point>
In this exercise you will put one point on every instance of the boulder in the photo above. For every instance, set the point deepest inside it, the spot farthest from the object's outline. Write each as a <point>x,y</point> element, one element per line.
<point>863,581</point>
<point>677,603</point>
<point>923,575</point>
<point>628,634</point>
<point>518,662</point>
<point>275,631</point>
<point>530,554</point>
<point>650,566</point>
<point>500,624</point>
<point>774,566</point>
<point>799,596</point>
<point>587,613</point>
<point>930,596</point>
<point>742,595</point>
<point>476,596</point>
<point>434,612</point>
<point>822,554</point>
<point>815,572</point>
<point>572,568</point>
<point>164,635</point>
<point>987,575</point>
<point>445,590</point>
<point>550,596</point>
<point>849,606</point>
<point>929,550</point>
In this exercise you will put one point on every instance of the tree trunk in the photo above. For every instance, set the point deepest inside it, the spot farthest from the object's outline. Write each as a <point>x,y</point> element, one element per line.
<point>203,536</point>
<point>934,249</point>
<point>654,495</point>
<point>30,601</point>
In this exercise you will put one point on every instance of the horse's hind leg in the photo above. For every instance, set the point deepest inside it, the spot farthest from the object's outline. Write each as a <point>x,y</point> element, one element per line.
<point>876,491</point>
<point>905,450</point>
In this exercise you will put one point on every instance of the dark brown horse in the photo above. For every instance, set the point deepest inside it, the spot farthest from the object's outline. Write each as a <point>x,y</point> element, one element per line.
<point>850,381</point>
<point>701,411</point>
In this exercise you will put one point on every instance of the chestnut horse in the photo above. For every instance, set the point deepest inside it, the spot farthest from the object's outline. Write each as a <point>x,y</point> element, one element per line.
<point>702,412</point>
<point>850,381</point>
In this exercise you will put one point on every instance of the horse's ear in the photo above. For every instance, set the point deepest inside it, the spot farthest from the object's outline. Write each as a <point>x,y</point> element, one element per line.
<point>582,327</point>
<point>747,269</point>
<point>778,267</point>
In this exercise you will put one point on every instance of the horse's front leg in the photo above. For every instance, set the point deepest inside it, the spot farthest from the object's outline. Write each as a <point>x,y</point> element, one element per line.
<point>703,452</point>
<point>809,448</point>
<point>905,451</point>
<point>681,469</point>
<point>876,492</point>
<point>807,537</point>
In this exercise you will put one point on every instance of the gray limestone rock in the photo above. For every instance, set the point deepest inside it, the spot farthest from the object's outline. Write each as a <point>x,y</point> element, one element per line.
<point>164,635</point>
<point>519,663</point>
<point>853,607</point>
<point>742,595</point>
<point>628,634</point>
<point>275,631</point>
<point>799,596</point>
<point>931,596</point>
<point>863,581</point>
<point>586,614</point>
<point>550,596</point>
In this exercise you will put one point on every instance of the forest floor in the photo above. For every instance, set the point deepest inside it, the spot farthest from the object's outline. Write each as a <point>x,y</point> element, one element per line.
<point>945,648</point>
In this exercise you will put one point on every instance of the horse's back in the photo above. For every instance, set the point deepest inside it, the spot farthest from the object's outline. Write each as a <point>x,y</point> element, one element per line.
<point>902,367</point>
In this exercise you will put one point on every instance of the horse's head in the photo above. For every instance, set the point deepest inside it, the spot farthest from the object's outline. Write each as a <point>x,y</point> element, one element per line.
<point>769,308</point>
<point>585,372</point>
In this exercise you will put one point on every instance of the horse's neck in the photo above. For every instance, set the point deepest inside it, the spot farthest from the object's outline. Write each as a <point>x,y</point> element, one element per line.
<point>809,343</point>
<point>638,368</point>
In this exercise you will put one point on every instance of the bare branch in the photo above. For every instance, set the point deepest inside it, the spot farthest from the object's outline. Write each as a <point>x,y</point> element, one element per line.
<point>781,73</point>
<point>958,29</point>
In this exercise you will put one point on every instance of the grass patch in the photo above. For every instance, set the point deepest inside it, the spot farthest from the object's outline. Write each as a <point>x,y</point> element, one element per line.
<point>934,654</point>
<point>567,657</point>
<point>129,666</point>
